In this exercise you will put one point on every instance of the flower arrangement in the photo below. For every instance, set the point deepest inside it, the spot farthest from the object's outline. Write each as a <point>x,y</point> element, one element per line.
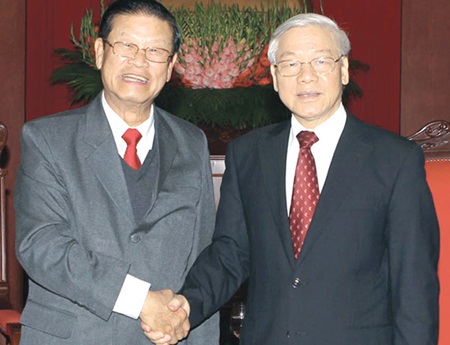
<point>229,49</point>
<point>225,65</point>
<point>222,76</point>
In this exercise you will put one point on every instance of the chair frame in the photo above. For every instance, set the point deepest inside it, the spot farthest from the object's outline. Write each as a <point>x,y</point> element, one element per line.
<point>3,172</point>
<point>434,139</point>
<point>11,330</point>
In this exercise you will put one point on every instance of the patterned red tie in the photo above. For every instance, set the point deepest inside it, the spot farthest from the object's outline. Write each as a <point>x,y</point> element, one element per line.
<point>132,137</point>
<point>305,194</point>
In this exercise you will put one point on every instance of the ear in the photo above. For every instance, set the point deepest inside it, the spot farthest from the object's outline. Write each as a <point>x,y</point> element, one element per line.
<point>273,72</point>
<point>345,74</point>
<point>171,65</point>
<point>99,47</point>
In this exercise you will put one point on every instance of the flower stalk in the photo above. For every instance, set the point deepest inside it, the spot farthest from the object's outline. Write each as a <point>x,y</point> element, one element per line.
<point>224,44</point>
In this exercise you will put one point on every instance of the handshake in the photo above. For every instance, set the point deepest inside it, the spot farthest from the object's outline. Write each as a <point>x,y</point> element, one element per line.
<point>164,317</point>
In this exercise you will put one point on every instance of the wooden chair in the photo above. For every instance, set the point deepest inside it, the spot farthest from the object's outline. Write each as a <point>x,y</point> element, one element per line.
<point>434,138</point>
<point>9,319</point>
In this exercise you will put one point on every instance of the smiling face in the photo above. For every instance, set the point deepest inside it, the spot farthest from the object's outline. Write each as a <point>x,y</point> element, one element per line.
<point>132,84</point>
<point>311,97</point>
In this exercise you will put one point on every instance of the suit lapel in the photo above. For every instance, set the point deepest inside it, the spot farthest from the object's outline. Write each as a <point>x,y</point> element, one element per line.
<point>272,155</point>
<point>351,152</point>
<point>165,149</point>
<point>104,159</point>
<point>106,164</point>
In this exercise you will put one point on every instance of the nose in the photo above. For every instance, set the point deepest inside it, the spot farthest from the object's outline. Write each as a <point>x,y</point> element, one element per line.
<point>139,59</point>
<point>306,72</point>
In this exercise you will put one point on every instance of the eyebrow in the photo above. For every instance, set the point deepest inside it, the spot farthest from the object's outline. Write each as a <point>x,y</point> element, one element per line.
<point>319,51</point>
<point>155,43</point>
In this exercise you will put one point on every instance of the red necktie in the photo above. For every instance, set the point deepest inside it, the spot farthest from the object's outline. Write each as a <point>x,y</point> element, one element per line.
<point>305,194</point>
<point>132,137</point>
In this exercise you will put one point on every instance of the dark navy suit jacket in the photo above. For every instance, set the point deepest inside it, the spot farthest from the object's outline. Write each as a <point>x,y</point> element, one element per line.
<point>367,272</point>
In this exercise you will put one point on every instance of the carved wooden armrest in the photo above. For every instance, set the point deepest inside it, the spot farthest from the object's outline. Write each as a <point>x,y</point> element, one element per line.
<point>434,138</point>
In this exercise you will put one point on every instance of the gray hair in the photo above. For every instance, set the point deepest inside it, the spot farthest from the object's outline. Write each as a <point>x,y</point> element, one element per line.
<point>304,20</point>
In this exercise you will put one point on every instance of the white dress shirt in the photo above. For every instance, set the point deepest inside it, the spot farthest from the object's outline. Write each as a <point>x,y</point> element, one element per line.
<point>119,126</point>
<point>328,133</point>
<point>134,290</point>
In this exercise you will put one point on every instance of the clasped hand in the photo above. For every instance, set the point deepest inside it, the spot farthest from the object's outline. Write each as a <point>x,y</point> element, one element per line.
<point>164,317</point>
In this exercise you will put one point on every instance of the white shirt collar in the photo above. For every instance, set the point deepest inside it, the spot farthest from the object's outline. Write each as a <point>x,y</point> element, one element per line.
<point>330,129</point>
<point>119,126</point>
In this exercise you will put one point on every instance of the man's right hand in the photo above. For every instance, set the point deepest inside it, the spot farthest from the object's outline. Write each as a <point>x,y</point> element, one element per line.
<point>164,324</point>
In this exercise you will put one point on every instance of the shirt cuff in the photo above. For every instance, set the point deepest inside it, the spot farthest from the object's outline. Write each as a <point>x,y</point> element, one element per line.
<point>131,297</point>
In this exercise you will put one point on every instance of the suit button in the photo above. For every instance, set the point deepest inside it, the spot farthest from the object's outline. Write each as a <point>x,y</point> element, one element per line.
<point>297,282</point>
<point>135,238</point>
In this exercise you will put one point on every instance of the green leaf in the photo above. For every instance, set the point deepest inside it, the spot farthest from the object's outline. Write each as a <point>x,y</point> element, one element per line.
<point>84,81</point>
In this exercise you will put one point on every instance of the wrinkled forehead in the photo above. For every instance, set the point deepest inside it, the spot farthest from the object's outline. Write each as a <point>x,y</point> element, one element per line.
<point>140,28</point>
<point>310,40</point>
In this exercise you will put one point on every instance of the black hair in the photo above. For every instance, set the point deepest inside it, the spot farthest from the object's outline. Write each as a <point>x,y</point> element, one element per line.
<point>149,7</point>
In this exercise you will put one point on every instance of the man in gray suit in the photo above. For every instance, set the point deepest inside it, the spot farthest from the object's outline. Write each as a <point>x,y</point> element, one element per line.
<point>114,200</point>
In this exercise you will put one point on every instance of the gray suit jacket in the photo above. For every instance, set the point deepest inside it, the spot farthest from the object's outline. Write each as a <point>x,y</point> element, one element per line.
<point>76,234</point>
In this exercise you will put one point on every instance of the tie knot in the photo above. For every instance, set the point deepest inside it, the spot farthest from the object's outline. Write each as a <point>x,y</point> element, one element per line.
<point>307,139</point>
<point>132,136</point>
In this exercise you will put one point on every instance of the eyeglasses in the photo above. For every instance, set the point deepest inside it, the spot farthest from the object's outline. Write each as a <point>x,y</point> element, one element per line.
<point>321,65</point>
<point>129,51</point>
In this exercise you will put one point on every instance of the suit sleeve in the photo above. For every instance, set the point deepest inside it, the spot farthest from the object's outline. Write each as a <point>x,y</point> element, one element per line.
<point>209,331</point>
<point>47,244</point>
<point>223,266</point>
<point>412,233</point>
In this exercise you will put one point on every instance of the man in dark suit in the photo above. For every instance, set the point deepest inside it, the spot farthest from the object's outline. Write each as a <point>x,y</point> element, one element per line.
<point>363,272</point>
<point>114,200</point>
